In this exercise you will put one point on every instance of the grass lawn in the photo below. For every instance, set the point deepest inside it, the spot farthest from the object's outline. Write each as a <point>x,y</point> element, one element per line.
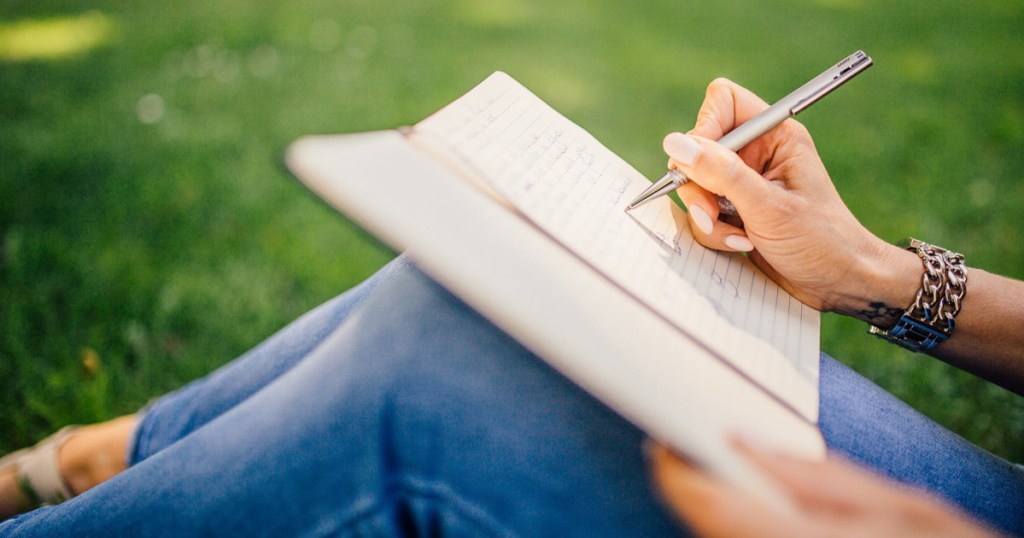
<point>148,232</point>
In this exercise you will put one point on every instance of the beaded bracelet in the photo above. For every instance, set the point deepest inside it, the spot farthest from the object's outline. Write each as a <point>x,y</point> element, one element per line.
<point>929,320</point>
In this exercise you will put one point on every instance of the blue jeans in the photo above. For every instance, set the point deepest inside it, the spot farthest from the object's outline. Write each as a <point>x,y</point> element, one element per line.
<point>395,409</point>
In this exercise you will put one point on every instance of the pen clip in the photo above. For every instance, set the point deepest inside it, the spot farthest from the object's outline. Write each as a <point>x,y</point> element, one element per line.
<point>835,77</point>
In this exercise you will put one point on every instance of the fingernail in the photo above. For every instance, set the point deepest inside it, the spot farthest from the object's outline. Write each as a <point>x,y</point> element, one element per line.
<point>738,242</point>
<point>701,218</point>
<point>682,148</point>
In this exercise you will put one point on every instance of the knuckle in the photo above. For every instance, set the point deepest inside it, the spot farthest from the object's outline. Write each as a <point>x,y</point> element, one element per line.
<point>796,133</point>
<point>719,84</point>
<point>705,115</point>
<point>727,176</point>
<point>794,128</point>
<point>715,173</point>
<point>727,169</point>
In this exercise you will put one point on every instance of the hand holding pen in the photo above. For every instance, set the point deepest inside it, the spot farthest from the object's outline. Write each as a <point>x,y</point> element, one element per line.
<point>795,225</point>
<point>788,106</point>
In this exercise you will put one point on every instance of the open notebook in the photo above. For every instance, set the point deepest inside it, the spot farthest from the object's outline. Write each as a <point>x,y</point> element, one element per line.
<point>520,212</point>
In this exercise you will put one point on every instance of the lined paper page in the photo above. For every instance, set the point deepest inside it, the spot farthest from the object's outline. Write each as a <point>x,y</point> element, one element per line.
<point>574,189</point>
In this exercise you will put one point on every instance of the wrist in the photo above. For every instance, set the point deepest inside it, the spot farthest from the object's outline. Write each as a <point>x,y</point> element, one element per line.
<point>885,279</point>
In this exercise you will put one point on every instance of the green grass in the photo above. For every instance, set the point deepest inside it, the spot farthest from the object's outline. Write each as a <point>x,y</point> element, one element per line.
<point>136,255</point>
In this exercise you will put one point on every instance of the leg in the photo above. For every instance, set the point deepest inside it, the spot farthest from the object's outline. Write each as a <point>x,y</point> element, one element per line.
<point>177,414</point>
<point>872,427</point>
<point>415,416</point>
<point>94,453</point>
<point>450,425</point>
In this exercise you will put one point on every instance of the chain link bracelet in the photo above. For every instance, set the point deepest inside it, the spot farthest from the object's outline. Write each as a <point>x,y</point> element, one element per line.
<point>929,320</point>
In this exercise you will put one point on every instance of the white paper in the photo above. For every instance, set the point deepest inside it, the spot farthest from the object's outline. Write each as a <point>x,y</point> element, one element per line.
<point>574,189</point>
<point>553,302</point>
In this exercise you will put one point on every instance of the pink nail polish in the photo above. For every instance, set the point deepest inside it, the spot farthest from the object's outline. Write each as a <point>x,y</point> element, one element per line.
<point>701,219</point>
<point>738,242</point>
<point>682,148</point>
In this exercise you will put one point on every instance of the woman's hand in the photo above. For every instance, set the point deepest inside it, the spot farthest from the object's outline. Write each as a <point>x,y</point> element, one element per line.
<point>832,498</point>
<point>801,234</point>
<point>794,223</point>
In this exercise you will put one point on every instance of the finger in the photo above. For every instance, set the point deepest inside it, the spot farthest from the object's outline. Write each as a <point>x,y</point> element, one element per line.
<point>833,482</point>
<point>838,487</point>
<point>707,229</point>
<point>726,105</point>
<point>718,170</point>
<point>712,507</point>
<point>702,207</point>
<point>704,213</point>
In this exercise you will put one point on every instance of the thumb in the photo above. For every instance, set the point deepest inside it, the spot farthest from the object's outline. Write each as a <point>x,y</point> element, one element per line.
<point>715,168</point>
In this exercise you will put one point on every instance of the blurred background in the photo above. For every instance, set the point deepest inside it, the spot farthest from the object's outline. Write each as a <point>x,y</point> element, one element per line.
<point>149,233</point>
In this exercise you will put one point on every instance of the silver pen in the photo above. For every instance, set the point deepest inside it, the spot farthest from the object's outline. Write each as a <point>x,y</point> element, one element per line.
<point>788,106</point>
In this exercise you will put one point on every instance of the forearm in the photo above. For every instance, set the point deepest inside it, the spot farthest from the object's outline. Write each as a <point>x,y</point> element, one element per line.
<point>989,335</point>
<point>988,339</point>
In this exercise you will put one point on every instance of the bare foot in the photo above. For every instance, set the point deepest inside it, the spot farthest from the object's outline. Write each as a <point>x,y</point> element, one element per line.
<point>95,453</point>
<point>12,500</point>
<point>89,456</point>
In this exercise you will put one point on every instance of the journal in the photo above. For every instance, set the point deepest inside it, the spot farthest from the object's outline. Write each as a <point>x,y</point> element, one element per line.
<point>519,212</point>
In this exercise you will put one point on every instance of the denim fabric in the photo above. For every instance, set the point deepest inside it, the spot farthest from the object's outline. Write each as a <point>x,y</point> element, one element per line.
<point>397,410</point>
<point>176,415</point>
<point>872,427</point>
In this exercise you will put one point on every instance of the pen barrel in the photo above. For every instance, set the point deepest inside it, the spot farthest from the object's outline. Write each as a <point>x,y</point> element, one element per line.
<point>739,137</point>
<point>768,119</point>
<point>796,101</point>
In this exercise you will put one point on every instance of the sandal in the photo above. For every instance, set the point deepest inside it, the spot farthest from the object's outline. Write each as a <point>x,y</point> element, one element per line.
<point>37,471</point>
